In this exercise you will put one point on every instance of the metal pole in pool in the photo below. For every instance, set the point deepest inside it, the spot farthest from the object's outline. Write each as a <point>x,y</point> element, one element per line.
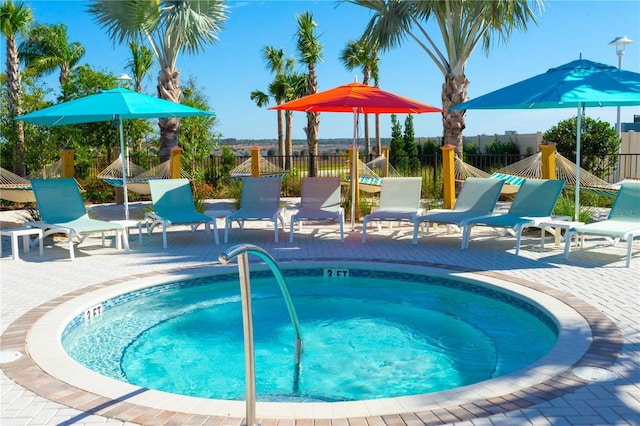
<point>249,356</point>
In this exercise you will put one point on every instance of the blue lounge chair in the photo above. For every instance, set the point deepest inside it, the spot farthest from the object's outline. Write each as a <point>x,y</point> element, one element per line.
<point>62,211</point>
<point>623,222</point>
<point>532,205</point>
<point>260,200</point>
<point>477,198</point>
<point>173,204</point>
<point>399,202</point>
<point>320,201</point>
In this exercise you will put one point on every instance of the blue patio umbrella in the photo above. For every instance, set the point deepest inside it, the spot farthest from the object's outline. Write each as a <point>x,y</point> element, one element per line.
<point>112,105</point>
<point>577,84</point>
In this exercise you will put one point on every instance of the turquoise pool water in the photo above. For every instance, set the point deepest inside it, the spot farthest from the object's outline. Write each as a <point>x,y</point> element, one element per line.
<point>371,335</point>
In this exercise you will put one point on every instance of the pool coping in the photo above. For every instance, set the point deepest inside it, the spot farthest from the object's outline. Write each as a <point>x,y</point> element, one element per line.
<point>473,401</point>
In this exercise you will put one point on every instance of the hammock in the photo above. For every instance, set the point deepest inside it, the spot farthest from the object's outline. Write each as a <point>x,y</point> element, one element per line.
<point>140,183</point>
<point>266,169</point>
<point>15,188</point>
<point>113,173</point>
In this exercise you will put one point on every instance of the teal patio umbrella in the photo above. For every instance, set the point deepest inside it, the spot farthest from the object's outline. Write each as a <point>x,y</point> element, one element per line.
<point>112,105</point>
<point>578,84</point>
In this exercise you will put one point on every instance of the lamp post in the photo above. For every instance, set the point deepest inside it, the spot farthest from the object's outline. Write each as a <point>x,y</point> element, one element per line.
<point>124,77</point>
<point>620,43</point>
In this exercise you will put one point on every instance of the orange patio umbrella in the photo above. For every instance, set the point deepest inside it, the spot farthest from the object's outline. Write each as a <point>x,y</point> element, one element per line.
<point>357,98</point>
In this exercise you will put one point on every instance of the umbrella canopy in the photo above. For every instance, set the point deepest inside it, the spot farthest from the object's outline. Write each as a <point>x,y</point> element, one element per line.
<point>577,84</point>
<point>356,98</point>
<point>359,98</point>
<point>111,105</point>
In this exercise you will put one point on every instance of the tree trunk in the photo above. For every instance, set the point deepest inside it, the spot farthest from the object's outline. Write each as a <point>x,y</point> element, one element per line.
<point>454,92</point>
<point>14,104</point>
<point>313,120</point>
<point>168,89</point>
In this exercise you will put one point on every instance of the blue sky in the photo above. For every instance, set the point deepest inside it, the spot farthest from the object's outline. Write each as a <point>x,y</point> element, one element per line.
<point>232,68</point>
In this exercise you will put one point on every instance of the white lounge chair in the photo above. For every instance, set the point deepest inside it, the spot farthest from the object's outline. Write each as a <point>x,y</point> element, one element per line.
<point>260,200</point>
<point>320,201</point>
<point>477,198</point>
<point>173,204</point>
<point>62,211</point>
<point>399,202</point>
<point>623,222</point>
<point>532,205</point>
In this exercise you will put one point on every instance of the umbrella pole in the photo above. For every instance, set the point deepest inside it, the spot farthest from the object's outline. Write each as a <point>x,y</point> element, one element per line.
<point>125,163</point>
<point>578,135</point>
<point>353,169</point>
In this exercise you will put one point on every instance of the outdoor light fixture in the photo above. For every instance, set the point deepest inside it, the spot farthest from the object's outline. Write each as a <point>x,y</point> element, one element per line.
<point>620,43</point>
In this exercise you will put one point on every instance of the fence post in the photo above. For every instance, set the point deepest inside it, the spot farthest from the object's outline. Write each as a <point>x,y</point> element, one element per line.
<point>548,151</point>
<point>68,170</point>
<point>255,161</point>
<point>386,151</point>
<point>448,175</point>
<point>176,162</point>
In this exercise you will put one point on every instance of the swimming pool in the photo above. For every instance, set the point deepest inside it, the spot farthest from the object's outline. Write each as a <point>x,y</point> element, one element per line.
<point>367,334</point>
<point>46,350</point>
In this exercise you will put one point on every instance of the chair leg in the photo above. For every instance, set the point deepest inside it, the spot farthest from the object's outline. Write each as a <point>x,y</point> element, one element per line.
<point>125,239</point>
<point>275,230</point>
<point>291,226</point>
<point>567,244</point>
<point>629,246</point>
<point>226,229</point>
<point>364,230</point>
<point>341,222</point>
<point>71,253</point>
<point>416,229</point>
<point>518,238</point>
<point>164,235</point>
<point>466,235</point>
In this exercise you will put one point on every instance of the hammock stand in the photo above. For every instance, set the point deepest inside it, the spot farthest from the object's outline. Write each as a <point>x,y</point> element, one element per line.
<point>266,169</point>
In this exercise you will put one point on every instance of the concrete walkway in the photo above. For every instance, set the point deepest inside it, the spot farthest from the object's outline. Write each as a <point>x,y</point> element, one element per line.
<point>596,276</point>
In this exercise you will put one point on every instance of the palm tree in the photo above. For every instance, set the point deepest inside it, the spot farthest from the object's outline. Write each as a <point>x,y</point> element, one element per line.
<point>278,64</point>
<point>14,20</point>
<point>294,86</point>
<point>140,63</point>
<point>363,53</point>
<point>309,53</point>
<point>462,24</point>
<point>47,49</point>
<point>170,27</point>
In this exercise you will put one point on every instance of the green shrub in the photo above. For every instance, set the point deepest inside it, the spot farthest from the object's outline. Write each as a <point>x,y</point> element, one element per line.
<point>566,207</point>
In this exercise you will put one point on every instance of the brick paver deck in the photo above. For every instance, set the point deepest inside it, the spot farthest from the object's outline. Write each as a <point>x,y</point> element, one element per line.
<point>594,281</point>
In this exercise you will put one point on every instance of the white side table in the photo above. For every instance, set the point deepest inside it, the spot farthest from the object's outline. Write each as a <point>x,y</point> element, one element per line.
<point>216,214</point>
<point>126,224</point>
<point>14,233</point>
<point>557,224</point>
